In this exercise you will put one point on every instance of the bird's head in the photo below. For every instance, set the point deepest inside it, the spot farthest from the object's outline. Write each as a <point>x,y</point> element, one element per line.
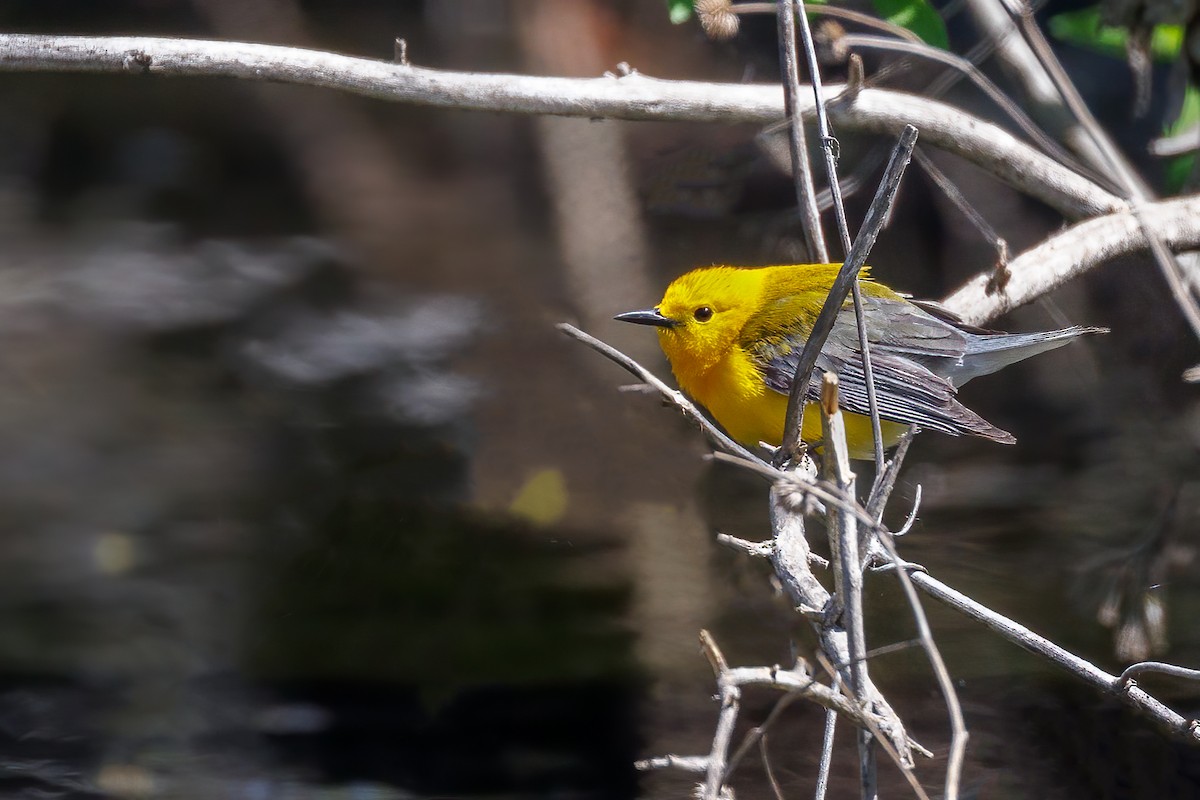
<point>701,315</point>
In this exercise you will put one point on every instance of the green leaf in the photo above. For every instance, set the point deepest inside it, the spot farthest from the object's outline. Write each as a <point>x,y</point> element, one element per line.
<point>917,16</point>
<point>1179,168</point>
<point>679,11</point>
<point>1085,29</point>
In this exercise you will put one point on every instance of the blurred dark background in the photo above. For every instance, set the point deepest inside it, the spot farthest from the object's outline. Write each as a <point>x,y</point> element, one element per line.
<point>302,495</point>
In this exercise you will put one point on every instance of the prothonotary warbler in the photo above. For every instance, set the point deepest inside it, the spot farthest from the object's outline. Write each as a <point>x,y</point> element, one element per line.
<point>734,336</point>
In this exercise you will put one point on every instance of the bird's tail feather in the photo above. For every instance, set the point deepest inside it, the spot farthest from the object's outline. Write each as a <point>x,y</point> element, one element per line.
<point>987,353</point>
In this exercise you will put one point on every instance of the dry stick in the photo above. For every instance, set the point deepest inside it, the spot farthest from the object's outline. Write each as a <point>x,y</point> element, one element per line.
<point>848,575</point>
<point>846,278</point>
<point>830,147</point>
<point>733,452</point>
<point>1133,670</point>
<point>1186,141</point>
<point>972,73</point>
<point>868,723</point>
<point>820,491</point>
<point>791,562</point>
<point>827,748</point>
<point>757,733</point>
<point>1074,251</point>
<point>810,216</point>
<point>681,763</point>
<point>730,695</point>
<point>631,96</point>
<point>1127,691</point>
<point>797,682</point>
<point>955,196</point>
<point>882,490</point>
<point>806,198</point>
<point>766,759</point>
<point>958,725</point>
<point>849,570</point>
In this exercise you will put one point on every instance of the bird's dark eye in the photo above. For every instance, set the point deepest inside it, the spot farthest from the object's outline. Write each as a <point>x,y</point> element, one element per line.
<point>703,314</point>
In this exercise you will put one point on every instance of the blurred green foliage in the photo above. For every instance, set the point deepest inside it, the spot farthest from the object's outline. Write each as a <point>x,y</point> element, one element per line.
<point>1084,28</point>
<point>917,16</point>
<point>679,11</point>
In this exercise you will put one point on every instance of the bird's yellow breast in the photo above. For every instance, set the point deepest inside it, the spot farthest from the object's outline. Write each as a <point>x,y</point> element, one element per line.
<point>735,393</point>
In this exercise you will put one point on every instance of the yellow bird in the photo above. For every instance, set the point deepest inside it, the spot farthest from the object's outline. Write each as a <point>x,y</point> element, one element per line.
<point>734,336</point>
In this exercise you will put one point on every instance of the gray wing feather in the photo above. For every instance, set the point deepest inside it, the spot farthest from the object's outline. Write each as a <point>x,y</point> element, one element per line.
<point>905,343</point>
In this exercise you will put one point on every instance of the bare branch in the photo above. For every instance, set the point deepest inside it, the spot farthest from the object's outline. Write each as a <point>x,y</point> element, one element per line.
<point>776,789</point>
<point>682,763</point>
<point>731,695</point>
<point>792,567</point>
<point>632,96</point>
<point>972,73</point>
<point>1129,693</point>
<point>1076,250</point>
<point>806,196</point>
<point>826,749</point>
<point>1144,667</point>
<point>958,725</point>
<point>847,566</point>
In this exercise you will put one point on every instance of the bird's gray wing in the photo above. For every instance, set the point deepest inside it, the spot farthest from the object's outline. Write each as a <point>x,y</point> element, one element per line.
<point>905,343</point>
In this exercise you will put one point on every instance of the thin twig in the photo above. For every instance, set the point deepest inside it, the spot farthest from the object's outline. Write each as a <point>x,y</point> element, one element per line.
<point>843,539</point>
<point>958,725</point>
<point>912,514</point>
<point>1131,694</point>
<point>776,789</point>
<point>1143,667</point>
<point>756,734</point>
<point>955,196</point>
<point>888,746</point>
<point>973,74</point>
<point>715,434</point>
<point>730,696</point>
<point>804,490</point>
<point>886,480</point>
<point>806,198</point>
<point>848,276</point>
<point>831,148</point>
<point>827,747</point>
<point>791,563</point>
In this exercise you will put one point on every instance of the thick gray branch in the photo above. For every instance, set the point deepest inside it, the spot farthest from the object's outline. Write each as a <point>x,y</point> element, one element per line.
<point>1074,251</point>
<point>633,97</point>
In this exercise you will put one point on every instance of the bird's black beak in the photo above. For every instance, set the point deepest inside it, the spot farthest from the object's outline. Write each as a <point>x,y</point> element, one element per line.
<point>647,316</point>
